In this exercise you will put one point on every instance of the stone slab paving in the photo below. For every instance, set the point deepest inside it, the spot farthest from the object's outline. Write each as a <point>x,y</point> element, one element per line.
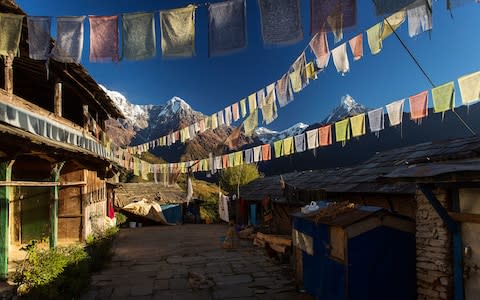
<point>187,262</point>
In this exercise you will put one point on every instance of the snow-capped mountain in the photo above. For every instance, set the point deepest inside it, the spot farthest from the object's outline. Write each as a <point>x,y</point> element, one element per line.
<point>348,107</point>
<point>268,136</point>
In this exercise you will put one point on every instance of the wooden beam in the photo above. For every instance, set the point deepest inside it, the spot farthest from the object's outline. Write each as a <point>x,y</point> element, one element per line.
<point>54,206</point>
<point>73,183</point>
<point>58,99</point>
<point>41,183</point>
<point>5,198</point>
<point>9,73</point>
<point>465,217</point>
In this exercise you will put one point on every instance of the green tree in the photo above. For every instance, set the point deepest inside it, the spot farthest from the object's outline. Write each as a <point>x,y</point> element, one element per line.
<point>232,178</point>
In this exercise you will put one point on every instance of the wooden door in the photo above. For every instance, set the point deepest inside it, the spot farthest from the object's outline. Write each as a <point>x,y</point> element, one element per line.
<point>470,203</point>
<point>35,213</point>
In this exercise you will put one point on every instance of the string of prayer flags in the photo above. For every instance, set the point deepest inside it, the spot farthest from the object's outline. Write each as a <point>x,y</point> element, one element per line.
<point>10,31</point>
<point>340,59</point>
<point>358,125</point>
<point>470,88</point>
<point>138,36</point>
<point>395,112</point>
<point>69,44</point>
<point>278,148</point>
<point>269,108</point>
<point>38,37</point>
<point>418,106</point>
<point>250,123</point>
<point>298,74</point>
<point>319,46</point>
<point>392,23</point>
<point>243,106</point>
<point>325,133</point>
<point>288,146</point>
<point>178,31</point>
<point>443,97</point>
<point>376,120</point>
<point>419,18</point>
<point>257,154</point>
<point>280,21</point>
<point>342,131</point>
<point>235,111</point>
<point>312,139</point>
<point>356,45</point>
<point>252,102</point>
<point>104,38</point>
<point>300,143</point>
<point>385,7</point>
<point>266,152</point>
<point>284,90</point>
<point>374,36</point>
<point>342,13</point>
<point>227,28</point>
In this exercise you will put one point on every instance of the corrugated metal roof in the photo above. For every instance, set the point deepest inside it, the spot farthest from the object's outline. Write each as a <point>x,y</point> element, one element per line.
<point>363,178</point>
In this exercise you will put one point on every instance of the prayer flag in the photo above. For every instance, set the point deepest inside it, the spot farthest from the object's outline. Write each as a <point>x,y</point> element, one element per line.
<point>385,7</point>
<point>178,31</point>
<point>103,38</point>
<point>266,152</point>
<point>39,37</point>
<point>312,139</point>
<point>278,148</point>
<point>374,35</point>
<point>252,102</point>
<point>298,75</point>
<point>69,44</point>
<point>340,59</point>
<point>342,131</point>
<point>284,90</point>
<point>419,19</point>
<point>470,88</point>
<point>269,108</point>
<point>343,11</point>
<point>138,36</point>
<point>300,143</point>
<point>325,133</point>
<point>250,123</point>
<point>257,153</point>
<point>319,46</point>
<point>419,105</point>
<point>235,112</point>
<point>443,97</point>
<point>356,45</point>
<point>288,145</point>
<point>243,106</point>
<point>395,112</point>
<point>10,32</point>
<point>376,120</point>
<point>226,27</point>
<point>358,125</point>
<point>392,23</point>
<point>281,22</point>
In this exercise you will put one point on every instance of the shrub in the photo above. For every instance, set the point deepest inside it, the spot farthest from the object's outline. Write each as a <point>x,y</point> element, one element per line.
<point>99,248</point>
<point>121,218</point>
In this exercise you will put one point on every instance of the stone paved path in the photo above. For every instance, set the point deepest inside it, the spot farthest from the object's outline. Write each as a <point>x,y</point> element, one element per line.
<point>187,262</point>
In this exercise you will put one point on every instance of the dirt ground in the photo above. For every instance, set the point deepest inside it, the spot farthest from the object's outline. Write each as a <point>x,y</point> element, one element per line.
<point>187,262</point>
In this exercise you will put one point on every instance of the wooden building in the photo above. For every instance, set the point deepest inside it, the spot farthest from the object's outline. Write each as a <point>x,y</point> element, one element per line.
<point>55,159</point>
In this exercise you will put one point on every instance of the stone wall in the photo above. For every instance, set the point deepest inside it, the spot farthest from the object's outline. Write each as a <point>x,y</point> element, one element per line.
<point>434,259</point>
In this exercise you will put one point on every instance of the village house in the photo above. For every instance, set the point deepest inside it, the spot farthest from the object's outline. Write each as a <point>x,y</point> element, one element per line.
<point>55,157</point>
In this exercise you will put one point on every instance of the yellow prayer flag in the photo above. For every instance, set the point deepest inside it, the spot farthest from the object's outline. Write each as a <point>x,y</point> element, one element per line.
<point>288,146</point>
<point>374,35</point>
<point>252,102</point>
<point>392,23</point>
<point>250,123</point>
<point>358,125</point>
<point>178,31</point>
<point>470,88</point>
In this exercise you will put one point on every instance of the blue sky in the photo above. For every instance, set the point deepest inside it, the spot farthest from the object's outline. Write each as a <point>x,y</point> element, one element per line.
<point>209,84</point>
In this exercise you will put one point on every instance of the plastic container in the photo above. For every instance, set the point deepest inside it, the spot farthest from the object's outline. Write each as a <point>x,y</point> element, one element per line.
<point>139,224</point>
<point>132,224</point>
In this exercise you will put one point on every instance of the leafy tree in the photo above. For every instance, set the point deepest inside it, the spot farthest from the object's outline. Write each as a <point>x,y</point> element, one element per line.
<point>234,177</point>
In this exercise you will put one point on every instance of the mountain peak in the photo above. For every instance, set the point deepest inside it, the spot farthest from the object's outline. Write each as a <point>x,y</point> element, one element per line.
<point>175,105</point>
<point>348,107</point>
<point>268,136</point>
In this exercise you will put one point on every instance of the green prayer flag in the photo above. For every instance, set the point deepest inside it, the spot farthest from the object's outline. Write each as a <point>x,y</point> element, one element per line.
<point>243,107</point>
<point>443,97</point>
<point>10,32</point>
<point>374,35</point>
<point>278,148</point>
<point>138,37</point>
<point>250,123</point>
<point>342,130</point>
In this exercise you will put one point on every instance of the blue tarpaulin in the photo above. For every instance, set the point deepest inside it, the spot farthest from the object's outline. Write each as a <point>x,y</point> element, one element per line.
<point>172,212</point>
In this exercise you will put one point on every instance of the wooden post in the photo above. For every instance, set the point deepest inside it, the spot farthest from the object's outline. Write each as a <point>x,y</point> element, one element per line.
<point>5,197</point>
<point>58,99</point>
<point>9,73</point>
<point>86,119</point>
<point>54,206</point>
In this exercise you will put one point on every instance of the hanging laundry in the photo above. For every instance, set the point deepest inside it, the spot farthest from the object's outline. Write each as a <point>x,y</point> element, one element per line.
<point>358,125</point>
<point>225,161</point>
<point>281,22</point>
<point>321,10</point>
<point>312,139</point>
<point>298,74</point>
<point>266,152</point>
<point>138,36</point>
<point>220,118</point>
<point>248,156</point>
<point>257,153</point>
<point>252,102</point>
<point>300,143</point>
<point>311,73</point>
<point>376,120</point>
<point>278,148</point>
<point>470,88</point>
<point>419,106</point>
<point>226,27</point>
<point>342,131</point>
<point>356,45</point>
<point>10,31</point>
<point>38,37</point>
<point>340,59</point>
<point>336,25</point>
<point>103,38</point>
<point>385,7</point>
<point>69,44</point>
<point>243,106</point>
<point>325,133</point>
<point>250,123</point>
<point>419,19</point>
<point>443,97</point>
<point>178,31</point>
<point>228,115</point>
<point>374,35</point>
<point>284,90</point>
<point>213,121</point>
<point>235,112</point>
<point>260,98</point>
<point>269,109</point>
<point>392,23</point>
<point>395,112</point>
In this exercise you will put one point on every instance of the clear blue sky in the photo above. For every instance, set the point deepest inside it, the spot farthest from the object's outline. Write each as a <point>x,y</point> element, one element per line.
<point>209,84</point>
